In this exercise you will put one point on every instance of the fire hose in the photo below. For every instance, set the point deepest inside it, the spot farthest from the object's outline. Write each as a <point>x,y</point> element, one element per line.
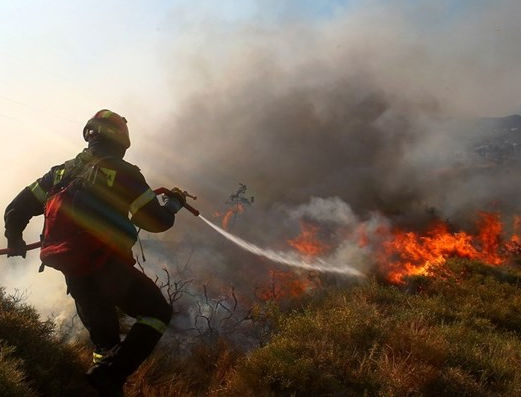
<point>158,191</point>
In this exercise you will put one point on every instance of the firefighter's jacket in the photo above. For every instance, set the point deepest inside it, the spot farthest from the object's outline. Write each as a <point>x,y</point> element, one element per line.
<point>121,196</point>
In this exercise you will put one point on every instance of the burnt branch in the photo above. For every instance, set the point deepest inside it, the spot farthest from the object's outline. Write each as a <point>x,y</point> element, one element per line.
<point>174,289</point>
<point>222,315</point>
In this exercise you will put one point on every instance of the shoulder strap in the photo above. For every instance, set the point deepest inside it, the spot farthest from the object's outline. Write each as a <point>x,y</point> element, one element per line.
<point>84,166</point>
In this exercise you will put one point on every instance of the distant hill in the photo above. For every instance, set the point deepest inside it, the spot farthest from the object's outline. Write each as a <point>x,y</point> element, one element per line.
<point>501,139</point>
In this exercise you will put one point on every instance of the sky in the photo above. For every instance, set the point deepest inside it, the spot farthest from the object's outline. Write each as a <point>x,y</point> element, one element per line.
<point>63,60</point>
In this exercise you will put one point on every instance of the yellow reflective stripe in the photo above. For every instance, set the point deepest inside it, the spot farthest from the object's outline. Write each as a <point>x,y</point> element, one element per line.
<point>39,193</point>
<point>110,175</point>
<point>158,325</point>
<point>96,357</point>
<point>58,175</point>
<point>141,201</point>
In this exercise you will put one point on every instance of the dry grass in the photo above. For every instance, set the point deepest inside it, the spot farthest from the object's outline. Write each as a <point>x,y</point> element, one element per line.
<point>457,336</point>
<point>33,358</point>
<point>457,333</point>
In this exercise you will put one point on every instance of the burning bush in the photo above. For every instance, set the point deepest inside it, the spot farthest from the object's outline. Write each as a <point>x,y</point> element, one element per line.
<point>405,253</point>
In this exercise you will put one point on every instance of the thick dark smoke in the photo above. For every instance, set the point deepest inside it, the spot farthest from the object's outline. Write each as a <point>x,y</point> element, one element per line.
<point>368,116</point>
<point>362,107</point>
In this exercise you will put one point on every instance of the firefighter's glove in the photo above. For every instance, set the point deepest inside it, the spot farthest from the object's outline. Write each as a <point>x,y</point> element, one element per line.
<point>179,195</point>
<point>173,204</point>
<point>16,246</point>
<point>175,201</point>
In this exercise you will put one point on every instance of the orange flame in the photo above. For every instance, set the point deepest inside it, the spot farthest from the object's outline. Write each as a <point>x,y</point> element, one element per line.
<point>288,284</point>
<point>514,245</point>
<point>516,238</point>
<point>238,209</point>
<point>307,242</point>
<point>363,238</point>
<point>409,253</point>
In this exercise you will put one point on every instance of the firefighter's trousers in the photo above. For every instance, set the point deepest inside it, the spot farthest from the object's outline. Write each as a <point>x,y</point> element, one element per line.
<point>119,286</point>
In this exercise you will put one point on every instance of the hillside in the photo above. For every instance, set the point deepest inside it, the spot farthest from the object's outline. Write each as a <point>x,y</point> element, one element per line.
<point>456,332</point>
<point>500,139</point>
<point>34,361</point>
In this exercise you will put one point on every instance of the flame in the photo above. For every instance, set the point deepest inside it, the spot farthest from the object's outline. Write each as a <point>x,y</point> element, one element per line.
<point>513,246</point>
<point>363,238</point>
<point>307,242</point>
<point>288,284</point>
<point>233,211</point>
<point>411,253</point>
<point>516,238</point>
<point>490,230</point>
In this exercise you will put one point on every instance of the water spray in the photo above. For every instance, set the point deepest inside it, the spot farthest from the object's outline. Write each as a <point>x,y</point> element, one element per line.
<point>282,257</point>
<point>285,258</point>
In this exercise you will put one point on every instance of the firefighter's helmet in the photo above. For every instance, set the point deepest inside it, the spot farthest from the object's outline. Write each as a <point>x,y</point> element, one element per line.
<point>110,126</point>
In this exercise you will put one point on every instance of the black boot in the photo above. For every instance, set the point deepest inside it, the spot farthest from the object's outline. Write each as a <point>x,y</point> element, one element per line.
<point>105,381</point>
<point>127,356</point>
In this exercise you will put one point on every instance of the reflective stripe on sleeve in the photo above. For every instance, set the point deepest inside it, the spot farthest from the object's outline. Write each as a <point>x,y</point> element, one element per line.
<point>141,201</point>
<point>38,192</point>
<point>96,357</point>
<point>58,175</point>
<point>158,325</point>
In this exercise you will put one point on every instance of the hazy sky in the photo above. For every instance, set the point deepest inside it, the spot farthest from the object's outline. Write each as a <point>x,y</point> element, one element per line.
<point>63,60</point>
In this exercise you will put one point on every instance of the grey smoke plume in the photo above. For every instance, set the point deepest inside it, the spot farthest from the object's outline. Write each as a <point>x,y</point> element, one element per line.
<point>358,107</point>
<point>326,210</point>
<point>371,107</point>
<point>290,259</point>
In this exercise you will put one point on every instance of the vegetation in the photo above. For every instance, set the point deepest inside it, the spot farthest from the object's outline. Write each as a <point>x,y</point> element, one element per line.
<point>456,332</point>
<point>33,360</point>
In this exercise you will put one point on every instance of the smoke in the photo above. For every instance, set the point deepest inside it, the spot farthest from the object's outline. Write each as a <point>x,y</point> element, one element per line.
<point>326,210</point>
<point>358,107</point>
<point>290,259</point>
<point>367,113</point>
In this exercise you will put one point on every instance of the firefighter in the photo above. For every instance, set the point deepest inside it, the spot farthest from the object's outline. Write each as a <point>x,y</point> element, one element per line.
<point>88,236</point>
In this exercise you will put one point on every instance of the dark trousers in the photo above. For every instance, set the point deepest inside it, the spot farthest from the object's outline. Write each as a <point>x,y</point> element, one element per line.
<point>115,285</point>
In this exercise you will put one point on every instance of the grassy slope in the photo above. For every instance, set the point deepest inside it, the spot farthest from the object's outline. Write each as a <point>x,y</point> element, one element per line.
<point>33,362</point>
<point>458,333</point>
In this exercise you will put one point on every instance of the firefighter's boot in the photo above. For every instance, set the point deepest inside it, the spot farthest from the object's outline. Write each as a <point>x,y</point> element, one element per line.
<point>105,381</point>
<point>128,355</point>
